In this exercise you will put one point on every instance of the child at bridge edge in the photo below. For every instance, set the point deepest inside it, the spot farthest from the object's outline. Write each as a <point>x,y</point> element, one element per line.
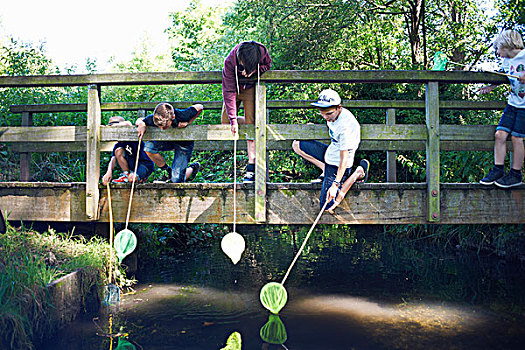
<point>335,160</point>
<point>509,45</point>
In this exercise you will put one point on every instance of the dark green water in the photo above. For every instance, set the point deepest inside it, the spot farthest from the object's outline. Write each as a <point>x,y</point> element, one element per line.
<point>352,288</point>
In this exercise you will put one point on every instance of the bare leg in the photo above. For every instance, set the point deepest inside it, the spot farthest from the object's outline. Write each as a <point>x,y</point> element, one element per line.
<point>122,162</point>
<point>297,149</point>
<point>157,158</point>
<point>500,147</point>
<point>189,171</point>
<point>358,174</point>
<point>519,153</point>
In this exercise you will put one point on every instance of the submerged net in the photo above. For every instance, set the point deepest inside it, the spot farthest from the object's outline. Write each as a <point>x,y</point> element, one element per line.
<point>274,332</point>
<point>111,295</point>
<point>234,342</point>
<point>440,61</point>
<point>123,344</point>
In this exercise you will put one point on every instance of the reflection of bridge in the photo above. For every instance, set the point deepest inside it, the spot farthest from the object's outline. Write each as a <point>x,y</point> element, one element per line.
<point>263,202</point>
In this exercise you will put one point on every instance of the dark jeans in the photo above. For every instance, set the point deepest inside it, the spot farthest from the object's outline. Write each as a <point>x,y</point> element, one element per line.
<point>181,158</point>
<point>317,150</point>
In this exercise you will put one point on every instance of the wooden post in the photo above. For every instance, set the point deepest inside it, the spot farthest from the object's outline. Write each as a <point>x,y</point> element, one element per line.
<point>432,146</point>
<point>260,153</point>
<point>25,158</point>
<point>93,153</point>
<point>391,173</point>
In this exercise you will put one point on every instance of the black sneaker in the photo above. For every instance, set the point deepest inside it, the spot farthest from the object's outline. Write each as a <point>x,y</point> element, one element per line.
<point>493,175</point>
<point>195,166</point>
<point>249,177</point>
<point>510,180</point>
<point>365,164</point>
<point>165,176</point>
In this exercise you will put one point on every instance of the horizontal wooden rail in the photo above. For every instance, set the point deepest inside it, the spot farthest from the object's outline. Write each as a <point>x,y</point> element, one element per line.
<point>376,137</point>
<point>284,104</point>
<point>274,76</point>
<point>276,132</point>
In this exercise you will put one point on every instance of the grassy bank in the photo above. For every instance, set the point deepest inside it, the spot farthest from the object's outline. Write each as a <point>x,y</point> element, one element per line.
<point>28,262</point>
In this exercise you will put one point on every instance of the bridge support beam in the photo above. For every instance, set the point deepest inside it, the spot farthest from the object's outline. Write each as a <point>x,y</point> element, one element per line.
<point>432,147</point>
<point>94,117</point>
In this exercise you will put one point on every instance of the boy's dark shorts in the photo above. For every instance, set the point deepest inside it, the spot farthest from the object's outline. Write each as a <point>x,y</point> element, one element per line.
<point>513,121</point>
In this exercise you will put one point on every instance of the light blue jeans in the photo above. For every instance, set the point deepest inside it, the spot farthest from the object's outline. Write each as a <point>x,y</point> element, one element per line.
<point>181,157</point>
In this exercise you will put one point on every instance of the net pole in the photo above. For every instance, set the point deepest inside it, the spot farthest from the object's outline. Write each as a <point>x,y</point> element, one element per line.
<point>304,242</point>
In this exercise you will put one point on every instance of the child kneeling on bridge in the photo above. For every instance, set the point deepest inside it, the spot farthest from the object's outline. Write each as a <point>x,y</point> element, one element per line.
<point>165,116</point>
<point>125,154</point>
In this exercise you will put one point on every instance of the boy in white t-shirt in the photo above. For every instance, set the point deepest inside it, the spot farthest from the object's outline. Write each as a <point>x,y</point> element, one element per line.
<point>336,159</point>
<point>509,45</point>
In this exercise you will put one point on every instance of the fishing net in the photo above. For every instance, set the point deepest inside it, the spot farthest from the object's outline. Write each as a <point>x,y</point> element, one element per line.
<point>273,332</point>
<point>123,344</point>
<point>234,342</point>
<point>273,296</point>
<point>233,246</point>
<point>111,294</point>
<point>440,61</point>
<point>125,243</point>
<point>233,243</point>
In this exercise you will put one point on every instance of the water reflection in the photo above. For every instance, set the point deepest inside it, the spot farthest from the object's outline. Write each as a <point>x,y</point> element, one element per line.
<point>274,331</point>
<point>349,289</point>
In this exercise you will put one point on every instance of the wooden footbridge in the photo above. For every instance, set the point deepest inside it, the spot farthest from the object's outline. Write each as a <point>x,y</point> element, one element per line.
<point>261,202</point>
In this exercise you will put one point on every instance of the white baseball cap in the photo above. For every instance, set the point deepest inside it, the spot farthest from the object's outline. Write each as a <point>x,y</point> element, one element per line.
<point>327,98</point>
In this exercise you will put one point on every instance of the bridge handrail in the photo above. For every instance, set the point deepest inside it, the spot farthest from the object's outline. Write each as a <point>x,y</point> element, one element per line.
<point>274,76</point>
<point>277,104</point>
<point>432,137</point>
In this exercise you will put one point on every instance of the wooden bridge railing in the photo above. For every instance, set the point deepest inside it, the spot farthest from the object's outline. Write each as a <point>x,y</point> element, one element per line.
<point>95,137</point>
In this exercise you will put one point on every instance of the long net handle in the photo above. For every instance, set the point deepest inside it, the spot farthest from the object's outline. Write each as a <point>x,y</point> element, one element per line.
<point>304,242</point>
<point>110,267</point>
<point>235,182</point>
<point>133,182</point>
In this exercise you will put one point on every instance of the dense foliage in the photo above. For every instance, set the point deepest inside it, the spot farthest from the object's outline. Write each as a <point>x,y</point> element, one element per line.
<point>300,34</point>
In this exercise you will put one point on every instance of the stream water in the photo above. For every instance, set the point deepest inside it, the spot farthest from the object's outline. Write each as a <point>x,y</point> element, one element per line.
<point>352,288</point>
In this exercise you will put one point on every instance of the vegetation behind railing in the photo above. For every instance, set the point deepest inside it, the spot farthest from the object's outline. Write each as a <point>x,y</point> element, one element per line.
<point>432,138</point>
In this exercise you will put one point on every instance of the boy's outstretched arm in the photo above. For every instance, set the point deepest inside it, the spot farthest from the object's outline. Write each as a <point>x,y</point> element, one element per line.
<point>198,107</point>
<point>141,126</point>
<point>109,173</point>
<point>343,162</point>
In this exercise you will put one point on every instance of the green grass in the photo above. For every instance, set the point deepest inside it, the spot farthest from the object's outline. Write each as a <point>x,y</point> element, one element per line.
<point>28,262</point>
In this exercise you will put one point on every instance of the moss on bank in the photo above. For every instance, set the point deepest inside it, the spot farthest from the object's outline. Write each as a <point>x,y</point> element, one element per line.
<point>28,262</point>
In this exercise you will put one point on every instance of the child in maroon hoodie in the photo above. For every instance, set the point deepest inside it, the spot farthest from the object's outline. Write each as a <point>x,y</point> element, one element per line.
<point>245,60</point>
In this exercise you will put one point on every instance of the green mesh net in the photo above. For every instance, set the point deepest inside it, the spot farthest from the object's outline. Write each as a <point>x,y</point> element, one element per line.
<point>123,344</point>
<point>125,243</point>
<point>273,332</point>
<point>234,342</point>
<point>440,61</point>
<point>273,297</point>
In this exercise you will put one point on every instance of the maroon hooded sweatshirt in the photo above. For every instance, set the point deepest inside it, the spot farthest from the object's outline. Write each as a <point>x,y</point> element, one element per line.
<point>230,83</point>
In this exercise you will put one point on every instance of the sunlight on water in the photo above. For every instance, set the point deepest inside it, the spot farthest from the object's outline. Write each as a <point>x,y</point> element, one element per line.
<point>346,292</point>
